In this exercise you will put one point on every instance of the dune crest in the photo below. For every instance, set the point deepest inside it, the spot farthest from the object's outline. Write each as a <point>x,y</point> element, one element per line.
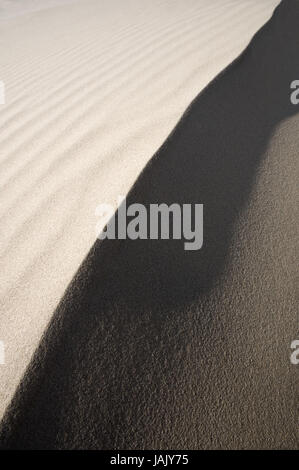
<point>154,347</point>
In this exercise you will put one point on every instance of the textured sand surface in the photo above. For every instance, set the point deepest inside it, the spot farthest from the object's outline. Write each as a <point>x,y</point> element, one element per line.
<point>155,347</point>
<point>92,90</point>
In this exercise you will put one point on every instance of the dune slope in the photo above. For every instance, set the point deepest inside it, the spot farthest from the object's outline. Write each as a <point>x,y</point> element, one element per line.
<point>156,347</point>
<point>93,88</point>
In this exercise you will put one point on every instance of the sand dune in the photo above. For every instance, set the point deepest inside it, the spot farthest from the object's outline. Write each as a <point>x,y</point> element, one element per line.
<point>153,347</point>
<point>93,88</point>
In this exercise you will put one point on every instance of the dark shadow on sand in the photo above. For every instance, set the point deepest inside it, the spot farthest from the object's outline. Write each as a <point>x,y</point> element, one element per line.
<point>96,380</point>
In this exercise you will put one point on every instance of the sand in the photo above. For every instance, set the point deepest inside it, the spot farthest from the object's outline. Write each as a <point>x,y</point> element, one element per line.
<point>93,88</point>
<point>152,347</point>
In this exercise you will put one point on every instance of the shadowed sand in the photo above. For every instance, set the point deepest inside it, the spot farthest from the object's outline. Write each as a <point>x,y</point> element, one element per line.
<point>156,347</point>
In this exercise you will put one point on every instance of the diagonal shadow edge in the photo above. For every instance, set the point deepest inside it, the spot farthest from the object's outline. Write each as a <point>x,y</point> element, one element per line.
<point>212,157</point>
